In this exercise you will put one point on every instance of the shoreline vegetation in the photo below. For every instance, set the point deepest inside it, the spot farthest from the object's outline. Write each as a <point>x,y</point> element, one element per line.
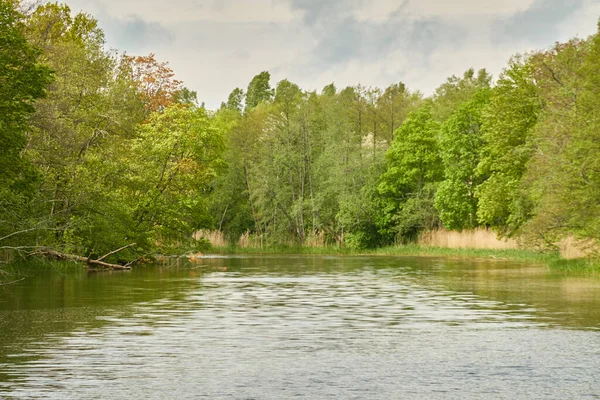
<point>107,158</point>
<point>551,259</point>
<point>481,244</point>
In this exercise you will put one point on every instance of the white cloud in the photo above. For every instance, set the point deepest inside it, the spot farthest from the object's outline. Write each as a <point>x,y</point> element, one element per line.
<point>379,10</point>
<point>177,11</point>
<point>443,8</point>
<point>217,45</point>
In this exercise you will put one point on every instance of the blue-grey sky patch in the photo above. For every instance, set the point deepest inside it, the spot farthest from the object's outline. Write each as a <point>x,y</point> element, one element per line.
<point>324,10</point>
<point>536,24</point>
<point>136,33</point>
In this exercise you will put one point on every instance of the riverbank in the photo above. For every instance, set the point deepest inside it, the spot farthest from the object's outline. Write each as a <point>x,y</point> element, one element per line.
<point>551,259</point>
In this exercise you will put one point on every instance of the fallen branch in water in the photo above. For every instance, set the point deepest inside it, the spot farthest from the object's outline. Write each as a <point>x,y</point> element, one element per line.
<point>116,251</point>
<point>10,283</point>
<point>56,255</point>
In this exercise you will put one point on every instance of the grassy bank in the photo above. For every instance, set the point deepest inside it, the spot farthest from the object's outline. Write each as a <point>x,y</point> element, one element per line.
<point>551,259</point>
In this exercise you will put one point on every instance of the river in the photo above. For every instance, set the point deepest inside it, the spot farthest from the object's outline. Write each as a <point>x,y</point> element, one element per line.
<point>313,327</point>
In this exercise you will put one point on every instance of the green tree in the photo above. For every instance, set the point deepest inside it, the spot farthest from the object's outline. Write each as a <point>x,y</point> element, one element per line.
<point>460,143</point>
<point>259,90</point>
<point>507,123</point>
<point>78,129</point>
<point>22,82</point>
<point>235,100</point>
<point>457,90</point>
<point>562,177</point>
<point>413,169</point>
<point>394,104</point>
<point>170,166</point>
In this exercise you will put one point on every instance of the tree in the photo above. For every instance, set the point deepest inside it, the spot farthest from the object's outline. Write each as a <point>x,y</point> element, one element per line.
<point>460,146</point>
<point>234,198</point>
<point>259,90</point>
<point>22,80</point>
<point>170,166</point>
<point>394,105</point>
<point>186,97</point>
<point>562,177</point>
<point>507,126</point>
<point>153,80</point>
<point>456,91</point>
<point>413,169</point>
<point>79,128</point>
<point>235,100</point>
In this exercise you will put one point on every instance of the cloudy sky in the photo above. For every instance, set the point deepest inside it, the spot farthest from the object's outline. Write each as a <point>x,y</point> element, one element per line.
<point>217,45</point>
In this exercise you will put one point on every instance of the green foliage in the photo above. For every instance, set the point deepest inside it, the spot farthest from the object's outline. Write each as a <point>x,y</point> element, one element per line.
<point>170,166</point>
<point>507,124</point>
<point>22,81</point>
<point>235,100</point>
<point>259,91</point>
<point>456,91</point>
<point>187,97</point>
<point>562,176</point>
<point>414,167</point>
<point>460,142</point>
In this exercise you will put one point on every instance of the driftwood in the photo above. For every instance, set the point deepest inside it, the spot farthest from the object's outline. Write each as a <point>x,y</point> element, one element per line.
<point>56,255</point>
<point>10,283</point>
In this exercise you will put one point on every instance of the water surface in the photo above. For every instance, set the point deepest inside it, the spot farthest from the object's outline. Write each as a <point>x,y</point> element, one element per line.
<point>303,327</point>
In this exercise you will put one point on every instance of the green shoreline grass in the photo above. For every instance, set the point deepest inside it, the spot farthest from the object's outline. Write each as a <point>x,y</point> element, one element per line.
<point>551,259</point>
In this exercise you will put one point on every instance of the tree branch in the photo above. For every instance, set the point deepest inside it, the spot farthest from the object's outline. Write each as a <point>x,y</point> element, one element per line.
<point>23,231</point>
<point>10,283</point>
<point>116,251</point>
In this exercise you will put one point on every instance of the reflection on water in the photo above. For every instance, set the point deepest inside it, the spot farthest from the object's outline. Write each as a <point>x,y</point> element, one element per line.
<point>314,327</point>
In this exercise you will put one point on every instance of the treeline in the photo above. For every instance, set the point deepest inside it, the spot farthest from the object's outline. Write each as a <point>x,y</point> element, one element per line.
<point>365,167</point>
<point>101,149</point>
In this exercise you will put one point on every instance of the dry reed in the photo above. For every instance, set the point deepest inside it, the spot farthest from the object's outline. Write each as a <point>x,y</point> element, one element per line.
<point>216,238</point>
<point>573,249</point>
<point>467,239</point>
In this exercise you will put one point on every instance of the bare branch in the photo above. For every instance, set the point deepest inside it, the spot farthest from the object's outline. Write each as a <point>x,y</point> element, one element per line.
<point>10,283</point>
<point>116,251</point>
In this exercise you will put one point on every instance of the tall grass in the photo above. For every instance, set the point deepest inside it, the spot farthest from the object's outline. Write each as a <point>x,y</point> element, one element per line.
<point>216,238</point>
<point>573,249</point>
<point>468,239</point>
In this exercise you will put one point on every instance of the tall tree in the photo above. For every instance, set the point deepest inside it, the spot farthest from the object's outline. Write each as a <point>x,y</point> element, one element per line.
<point>414,168</point>
<point>562,177</point>
<point>457,90</point>
<point>154,80</point>
<point>507,127</point>
<point>23,80</point>
<point>235,101</point>
<point>259,90</point>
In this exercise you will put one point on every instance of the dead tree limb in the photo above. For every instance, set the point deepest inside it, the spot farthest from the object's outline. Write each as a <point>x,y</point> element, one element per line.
<point>10,283</point>
<point>56,255</point>
<point>116,251</point>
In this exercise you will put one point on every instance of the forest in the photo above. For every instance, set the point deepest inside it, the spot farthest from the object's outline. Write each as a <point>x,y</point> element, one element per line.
<point>101,149</point>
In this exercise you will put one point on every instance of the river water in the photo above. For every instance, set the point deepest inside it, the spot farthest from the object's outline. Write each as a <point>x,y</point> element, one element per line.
<point>303,327</point>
